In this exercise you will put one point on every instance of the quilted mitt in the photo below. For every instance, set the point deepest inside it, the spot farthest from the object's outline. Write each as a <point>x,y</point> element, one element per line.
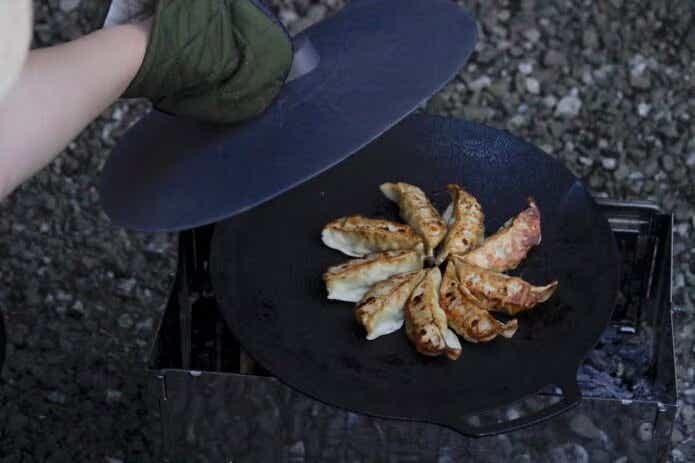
<point>221,61</point>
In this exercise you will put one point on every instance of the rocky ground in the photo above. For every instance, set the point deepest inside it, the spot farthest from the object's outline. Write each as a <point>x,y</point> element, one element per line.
<point>606,86</point>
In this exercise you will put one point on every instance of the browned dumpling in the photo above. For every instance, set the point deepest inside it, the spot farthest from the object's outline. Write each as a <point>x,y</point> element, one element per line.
<point>425,321</point>
<point>418,212</point>
<point>351,280</point>
<point>466,224</point>
<point>359,236</point>
<point>510,244</point>
<point>381,310</point>
<point>500,292</point>
<point>465,317</point>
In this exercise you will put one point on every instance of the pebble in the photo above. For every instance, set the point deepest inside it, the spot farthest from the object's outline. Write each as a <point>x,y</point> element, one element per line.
<point>69,5</point>
<point>609,163</point>
<point>677,456</point>
<point>113,395</point>
<point>668,163</point>
<point>554,58</point>
<point>590,38</point>
<point>533,34</point>
<point>688,412</point>
<point>549,101</point>
<point>569,453</point>
<point>56,397</point>
<point>125,321</point>
<point>585,161</point>
<point>690,161</point>
<point>622,460</point>
<point>645,432</point>
<point>643,109</point>
<point>583,426</point>
<point>525,68</point>
<point>479,84</point>
<point>533,86</point>
<point>568,106</point>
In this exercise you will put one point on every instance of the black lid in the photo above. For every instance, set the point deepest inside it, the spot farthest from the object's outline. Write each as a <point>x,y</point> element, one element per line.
<point>365,69</point>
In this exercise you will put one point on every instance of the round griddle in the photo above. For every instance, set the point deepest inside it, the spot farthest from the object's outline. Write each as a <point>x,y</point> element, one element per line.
<point>373,63</point>
<point>267,263</point>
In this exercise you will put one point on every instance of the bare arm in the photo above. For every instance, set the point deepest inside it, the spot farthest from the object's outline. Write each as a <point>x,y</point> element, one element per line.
<point>60,90</point>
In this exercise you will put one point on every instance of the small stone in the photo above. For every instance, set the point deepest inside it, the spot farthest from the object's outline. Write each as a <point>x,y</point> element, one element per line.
<point>125,321</point>
<point>568,106</point>
<point>112,460</point>
<point>113,396</point>
<point>668,163</point>
<point>643,109</point>
<point>642,82</point>
<point>549,101</point>
<point>585,161</point>
<point>525,68</point>
<point>288,17</point>
<point>583,426</point>
<point>479,84</point>
<point>533,34</point>
<point>125,286</point>
<point>554,58</point>
<point>609,163</point>
<point>533,86</point>
<point>69,5</point>
<point>569,453</point>
<point>651,168</point>
<point>317,12</point>
<point>56,397</point>
<point>145,325</point>
<point>690,161</point>
<point>621,460</point>
<point>645,432</point>
<point>677,456</point>
<point>504,15</point>
<point>688,412</point>
<point>590,38</point>
<point>76,310</point>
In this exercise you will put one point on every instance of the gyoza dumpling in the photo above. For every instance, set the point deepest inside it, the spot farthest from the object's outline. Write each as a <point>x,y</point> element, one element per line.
<point>381,310</point>
<point>509,246</point>
<point>500,292</point>
<point>465,317</point>
<point>417,210</point>
<point>358,236</point>
<point>466,224</point>
<point>425,321</point>
<point>351,280</point>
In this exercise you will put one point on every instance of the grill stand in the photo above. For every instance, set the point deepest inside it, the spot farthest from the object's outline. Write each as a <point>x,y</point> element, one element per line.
<point>216,405</point>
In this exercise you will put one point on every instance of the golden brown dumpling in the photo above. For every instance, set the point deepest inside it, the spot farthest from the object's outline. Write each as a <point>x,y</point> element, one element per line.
<point>466,224</point>
<point>359,236</point>
<point>500,292</point>
<point>418,212</point>
<point>381,310</point>
<point>351,280</point>
<point>465,317</point>
<point>510,244</point>
<point>425,321</point>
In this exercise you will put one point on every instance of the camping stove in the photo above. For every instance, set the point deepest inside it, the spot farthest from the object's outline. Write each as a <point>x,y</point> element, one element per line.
<point>217,405</point>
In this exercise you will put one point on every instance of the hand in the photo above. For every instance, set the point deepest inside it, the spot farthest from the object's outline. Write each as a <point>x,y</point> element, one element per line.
<point>216,60</point>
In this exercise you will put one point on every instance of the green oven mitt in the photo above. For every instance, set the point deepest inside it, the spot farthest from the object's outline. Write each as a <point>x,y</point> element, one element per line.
<point>221,61</point>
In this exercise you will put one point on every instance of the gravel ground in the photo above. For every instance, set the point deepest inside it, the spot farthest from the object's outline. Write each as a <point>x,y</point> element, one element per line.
<point>606,86</point>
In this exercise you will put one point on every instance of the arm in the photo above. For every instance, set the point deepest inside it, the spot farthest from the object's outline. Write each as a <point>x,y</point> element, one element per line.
<point>60,90</point>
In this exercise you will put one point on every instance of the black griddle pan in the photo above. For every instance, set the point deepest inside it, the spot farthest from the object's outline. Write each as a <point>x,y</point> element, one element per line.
<point>266,266</point>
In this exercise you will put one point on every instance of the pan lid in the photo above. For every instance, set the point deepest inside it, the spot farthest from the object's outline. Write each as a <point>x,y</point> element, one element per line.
<point>354,76</point>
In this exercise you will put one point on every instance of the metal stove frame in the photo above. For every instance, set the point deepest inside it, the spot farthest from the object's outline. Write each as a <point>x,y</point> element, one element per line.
<point>217,405</point>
